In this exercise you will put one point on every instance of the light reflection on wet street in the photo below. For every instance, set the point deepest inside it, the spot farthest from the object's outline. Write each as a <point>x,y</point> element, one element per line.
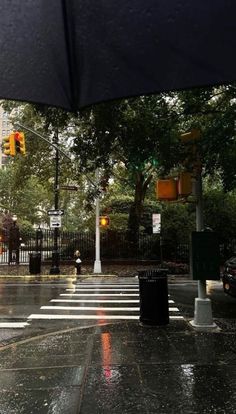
<point>113,366</point>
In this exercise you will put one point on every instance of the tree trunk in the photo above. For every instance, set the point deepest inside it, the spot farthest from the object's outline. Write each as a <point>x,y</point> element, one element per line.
<point>136,211</point>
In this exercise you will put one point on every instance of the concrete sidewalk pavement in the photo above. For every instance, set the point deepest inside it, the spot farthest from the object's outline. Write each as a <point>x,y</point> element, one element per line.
<point>120,368</point>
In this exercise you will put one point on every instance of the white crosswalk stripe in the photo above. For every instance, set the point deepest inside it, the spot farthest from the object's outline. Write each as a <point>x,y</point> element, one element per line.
<point>100,294</point>
<point>103,290</point>
<point>14,325</point>
<point>100,302</point>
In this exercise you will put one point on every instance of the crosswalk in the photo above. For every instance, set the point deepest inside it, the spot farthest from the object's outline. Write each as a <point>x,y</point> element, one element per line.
<point>97,301</point>
<point>13,325</point>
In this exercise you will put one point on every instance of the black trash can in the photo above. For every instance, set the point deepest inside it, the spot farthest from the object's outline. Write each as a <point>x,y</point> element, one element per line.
<point>35,263</point>
<point>153,293</point>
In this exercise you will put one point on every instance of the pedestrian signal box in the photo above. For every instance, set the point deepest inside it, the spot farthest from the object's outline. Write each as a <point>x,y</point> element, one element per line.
<point>184,184</point>
<point>204,256</point>
<point>166,189</point>
<point>104,221</point>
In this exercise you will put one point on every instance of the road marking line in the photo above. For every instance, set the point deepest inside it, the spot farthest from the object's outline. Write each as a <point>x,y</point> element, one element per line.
<point>95,300</point>
<point>89,308</point>
<point>102,317</point>
<point>102,290</point>
<point>176,317</point>
<point>43,316</point>
<point>99,301</point>
<point>99,294</point>
<point>104,308</point>
<point>13,324</point>
<point>106,285</point>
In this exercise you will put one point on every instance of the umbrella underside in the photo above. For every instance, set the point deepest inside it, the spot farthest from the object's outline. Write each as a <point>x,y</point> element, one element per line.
<point>75,53</point>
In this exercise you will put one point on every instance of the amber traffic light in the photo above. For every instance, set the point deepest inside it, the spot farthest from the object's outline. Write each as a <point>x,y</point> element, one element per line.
<point>104,221</point>
<point>9,145</point>
<point>19,142</point>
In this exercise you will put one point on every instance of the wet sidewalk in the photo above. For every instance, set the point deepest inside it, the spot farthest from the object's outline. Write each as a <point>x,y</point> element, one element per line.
<point>119,368</point>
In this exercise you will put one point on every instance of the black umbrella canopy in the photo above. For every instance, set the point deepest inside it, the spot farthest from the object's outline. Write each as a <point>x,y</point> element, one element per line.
<point>73,53</point>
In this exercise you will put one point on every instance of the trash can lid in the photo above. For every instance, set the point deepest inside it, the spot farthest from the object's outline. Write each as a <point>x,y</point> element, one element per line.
<point>34,254</point>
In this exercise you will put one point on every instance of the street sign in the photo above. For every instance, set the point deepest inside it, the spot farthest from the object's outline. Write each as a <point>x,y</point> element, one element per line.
<point>59,212</point>
<point>156,223</point>
<point>69,187</point>
<point>55,222</point>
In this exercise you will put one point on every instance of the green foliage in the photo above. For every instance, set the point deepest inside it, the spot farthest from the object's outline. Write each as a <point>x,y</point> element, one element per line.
<point>133,141</point>
<point>219,212</point>
<point>25,228</point>
<point>119,204</point>
<point>177,223</point>
<point>24,198</point>
<point>138,132</point>
<point>212,110</point>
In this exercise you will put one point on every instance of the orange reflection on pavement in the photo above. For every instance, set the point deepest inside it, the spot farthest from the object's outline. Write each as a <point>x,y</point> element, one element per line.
<point>101,313</point>
<point>106,354</point>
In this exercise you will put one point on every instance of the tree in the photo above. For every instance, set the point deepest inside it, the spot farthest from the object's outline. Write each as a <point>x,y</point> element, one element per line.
<point>212,110</point>
<point>134,134</point>
<point>31,176</point>
<point>132,140</point>
<point>219,209</point>
<point>24,200</point>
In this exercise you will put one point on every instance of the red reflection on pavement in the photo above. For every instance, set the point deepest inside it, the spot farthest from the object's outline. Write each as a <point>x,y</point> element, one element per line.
<point>106,354</point>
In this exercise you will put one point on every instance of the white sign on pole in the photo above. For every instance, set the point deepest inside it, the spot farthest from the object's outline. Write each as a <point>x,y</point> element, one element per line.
<point>59,212</point>
<point>55,221</point>
<point>156,223</point>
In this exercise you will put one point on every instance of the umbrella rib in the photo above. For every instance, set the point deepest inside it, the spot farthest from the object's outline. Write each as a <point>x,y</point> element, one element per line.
<point>68,16</point>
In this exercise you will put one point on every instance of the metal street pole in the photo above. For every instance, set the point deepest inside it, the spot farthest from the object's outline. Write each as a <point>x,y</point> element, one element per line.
<point>203,310</point>
<point>161,249</point>
<point>55,255</point>
<point>55,263</point>
<point>200,226</point>
<point>97,263</point>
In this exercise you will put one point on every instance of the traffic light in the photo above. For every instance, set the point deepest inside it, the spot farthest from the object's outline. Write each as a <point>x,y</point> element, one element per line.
<point>20,142</point>
<point>166,189</point>
<point>104,221</point>
<point>192,160</point>
<point>185,184</point>
<point>9,145</point>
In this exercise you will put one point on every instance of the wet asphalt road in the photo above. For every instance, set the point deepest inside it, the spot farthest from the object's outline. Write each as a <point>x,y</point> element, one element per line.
<point>116,366</point>
<point>19,300</point>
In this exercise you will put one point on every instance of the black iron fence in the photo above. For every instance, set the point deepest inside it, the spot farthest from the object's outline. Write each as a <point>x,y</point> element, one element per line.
<point>113,245</point>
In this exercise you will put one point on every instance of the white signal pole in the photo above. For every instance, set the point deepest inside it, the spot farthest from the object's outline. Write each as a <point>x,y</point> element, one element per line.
<point>97,263</point>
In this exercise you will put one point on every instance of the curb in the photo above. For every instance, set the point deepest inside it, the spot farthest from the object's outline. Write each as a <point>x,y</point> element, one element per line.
<point>35,277</point>
<point>40,277</point>
<point>51,277</point>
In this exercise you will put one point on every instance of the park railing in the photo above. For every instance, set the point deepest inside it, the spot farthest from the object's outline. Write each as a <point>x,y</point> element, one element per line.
<point>113,246</point>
